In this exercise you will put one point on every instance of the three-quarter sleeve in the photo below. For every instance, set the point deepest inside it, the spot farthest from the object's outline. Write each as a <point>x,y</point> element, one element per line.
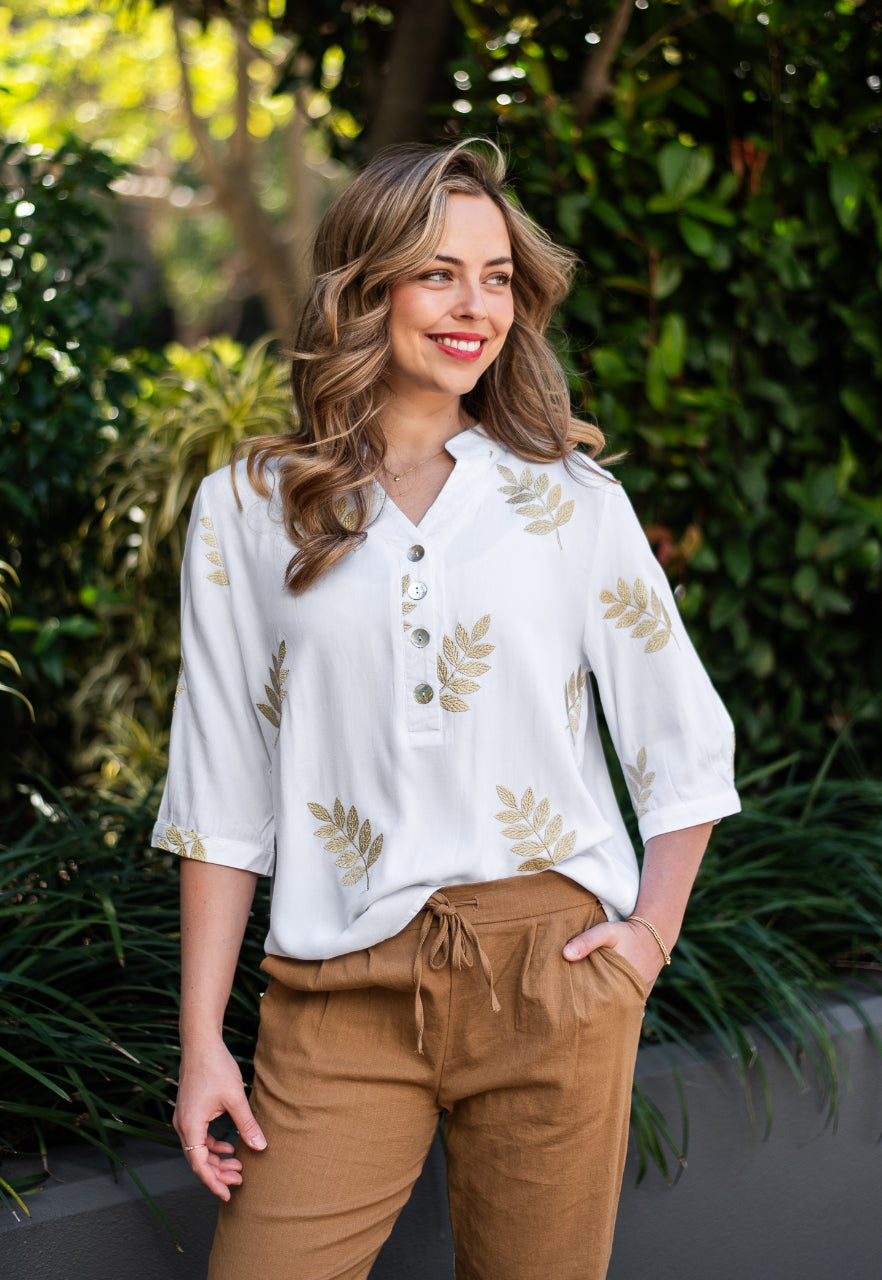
<point>217,805</point>
<point>671,732</point>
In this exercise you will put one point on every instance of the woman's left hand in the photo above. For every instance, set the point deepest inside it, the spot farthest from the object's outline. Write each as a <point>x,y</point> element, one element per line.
<point>632,940</point>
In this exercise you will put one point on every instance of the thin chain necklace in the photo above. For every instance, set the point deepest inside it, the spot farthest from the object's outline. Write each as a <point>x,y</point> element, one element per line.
<point>398,476</point>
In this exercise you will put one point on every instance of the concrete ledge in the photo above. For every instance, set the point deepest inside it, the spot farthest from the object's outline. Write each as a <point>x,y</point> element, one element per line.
<point>804,1203</point>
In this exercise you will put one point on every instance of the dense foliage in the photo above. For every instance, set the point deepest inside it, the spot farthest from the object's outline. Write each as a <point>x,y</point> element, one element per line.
<point>89,955</point>
<point>65,392</point>
<point>717,168</point>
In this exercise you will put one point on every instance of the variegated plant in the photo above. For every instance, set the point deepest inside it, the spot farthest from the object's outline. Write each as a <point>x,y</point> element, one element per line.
<point>353,841</point>
<point>537,834</point>
<point>534,499</point>
<point>462,661</point>
<point>641,609</point>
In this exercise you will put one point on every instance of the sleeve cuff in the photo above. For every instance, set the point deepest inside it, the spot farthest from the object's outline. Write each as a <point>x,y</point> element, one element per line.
<point>676,817</point>
<point>186,843</point>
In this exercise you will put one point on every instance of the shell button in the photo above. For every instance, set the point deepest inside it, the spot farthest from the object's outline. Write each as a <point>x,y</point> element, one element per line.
<point>420,637</point>
<point>416,590</point>
<point>423,693</point>
<point>416,552</point>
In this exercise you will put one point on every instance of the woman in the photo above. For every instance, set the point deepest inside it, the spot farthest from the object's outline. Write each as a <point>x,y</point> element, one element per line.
<point>389,617</point>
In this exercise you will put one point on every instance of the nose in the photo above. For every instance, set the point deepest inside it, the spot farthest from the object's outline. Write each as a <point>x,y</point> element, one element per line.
<point>470,301</point>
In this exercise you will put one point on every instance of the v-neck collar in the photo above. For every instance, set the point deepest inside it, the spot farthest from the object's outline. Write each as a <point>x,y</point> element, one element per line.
<point>473,452</point>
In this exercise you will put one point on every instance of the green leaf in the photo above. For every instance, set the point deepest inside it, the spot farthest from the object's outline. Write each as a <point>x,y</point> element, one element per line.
<point>684,170</point>
<point>847,183</point>
<point>672,344</point>
<point>697,237</point>
<point>668,275</point>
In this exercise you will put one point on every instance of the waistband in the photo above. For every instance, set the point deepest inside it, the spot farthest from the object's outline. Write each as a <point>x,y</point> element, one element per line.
<point>456,910</point>
<point>516,898</point>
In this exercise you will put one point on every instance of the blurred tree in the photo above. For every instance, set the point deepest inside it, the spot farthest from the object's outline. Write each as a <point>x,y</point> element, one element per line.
<point>717,168</point>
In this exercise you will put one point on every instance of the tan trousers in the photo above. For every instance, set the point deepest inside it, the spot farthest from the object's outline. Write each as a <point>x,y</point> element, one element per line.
<point>529,1058</point>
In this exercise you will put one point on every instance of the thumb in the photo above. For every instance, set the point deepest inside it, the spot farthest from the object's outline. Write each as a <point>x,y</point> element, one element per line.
<point>249,1130</point>
<point>601,935</point>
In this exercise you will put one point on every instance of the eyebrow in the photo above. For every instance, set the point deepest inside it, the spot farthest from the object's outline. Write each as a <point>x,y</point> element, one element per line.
<point>458,262</point>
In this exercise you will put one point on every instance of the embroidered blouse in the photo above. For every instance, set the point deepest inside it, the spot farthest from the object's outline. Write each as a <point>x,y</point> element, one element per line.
<point>423,716</point>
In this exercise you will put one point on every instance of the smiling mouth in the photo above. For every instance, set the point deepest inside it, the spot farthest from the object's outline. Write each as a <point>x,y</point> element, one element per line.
<point>462,346</point>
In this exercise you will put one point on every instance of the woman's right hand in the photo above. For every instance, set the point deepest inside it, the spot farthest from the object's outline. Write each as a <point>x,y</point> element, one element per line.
<point>211,1084</point>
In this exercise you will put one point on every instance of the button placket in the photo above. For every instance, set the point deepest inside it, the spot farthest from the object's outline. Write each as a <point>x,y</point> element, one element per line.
<point>422,706</point>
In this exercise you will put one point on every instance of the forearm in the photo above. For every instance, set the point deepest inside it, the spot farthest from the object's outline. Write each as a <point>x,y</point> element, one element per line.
<point>215,904</point>
<point>670,865</point>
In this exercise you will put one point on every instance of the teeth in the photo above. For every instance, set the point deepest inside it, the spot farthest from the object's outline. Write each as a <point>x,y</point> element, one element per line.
<point>458,344</point>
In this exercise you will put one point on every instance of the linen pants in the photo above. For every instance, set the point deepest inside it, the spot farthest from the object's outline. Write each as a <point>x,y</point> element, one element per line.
<point>470,1012</point>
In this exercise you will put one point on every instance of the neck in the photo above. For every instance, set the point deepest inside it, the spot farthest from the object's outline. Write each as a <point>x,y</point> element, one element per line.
<point>415,431</point>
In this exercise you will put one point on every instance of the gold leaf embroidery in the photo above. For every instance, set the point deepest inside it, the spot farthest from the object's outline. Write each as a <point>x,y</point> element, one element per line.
<point>348,516</point>
<point>537,838</point>
<point>407,605</point>
<point>275,691</point>
<point>534,499</point>
<point>213,555</point>
<point>465,656</point>
<point>639,783</point>
<point>351,839</point>
<point>180,687</point>
<point>629,606</point>
<point>574,692</point>
<point>176,841</point>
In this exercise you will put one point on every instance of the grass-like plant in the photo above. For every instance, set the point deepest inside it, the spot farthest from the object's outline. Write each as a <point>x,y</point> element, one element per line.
<point>786,912</point>
<point>89,944</point>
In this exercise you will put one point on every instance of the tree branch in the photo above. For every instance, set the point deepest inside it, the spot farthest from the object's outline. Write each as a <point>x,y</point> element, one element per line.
<point>662,34</point>
<point>418,45</point>
<point>596,82</point>
<point>235,195</point>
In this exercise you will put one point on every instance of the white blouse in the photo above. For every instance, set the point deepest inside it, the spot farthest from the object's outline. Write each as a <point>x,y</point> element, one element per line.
<point>422,716</point>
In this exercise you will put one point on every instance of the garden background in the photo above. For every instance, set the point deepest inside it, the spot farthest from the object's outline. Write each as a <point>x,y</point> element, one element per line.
<point>716,167</point>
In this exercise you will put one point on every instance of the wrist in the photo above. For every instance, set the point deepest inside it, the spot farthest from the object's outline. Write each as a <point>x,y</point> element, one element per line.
<point>647,924</point>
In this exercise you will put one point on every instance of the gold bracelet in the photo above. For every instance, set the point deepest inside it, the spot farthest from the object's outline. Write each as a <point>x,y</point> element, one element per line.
<point>652,929</point>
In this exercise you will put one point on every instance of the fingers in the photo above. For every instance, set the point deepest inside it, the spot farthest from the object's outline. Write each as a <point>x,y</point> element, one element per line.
<point>249,1130</point>
<point>602,935</point>
<point>213,1165</point>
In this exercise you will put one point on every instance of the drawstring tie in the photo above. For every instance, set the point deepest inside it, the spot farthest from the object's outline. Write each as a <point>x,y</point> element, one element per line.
<point>456,938</point>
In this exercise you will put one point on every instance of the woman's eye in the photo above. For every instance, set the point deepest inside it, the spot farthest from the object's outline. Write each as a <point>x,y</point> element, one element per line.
<point>438,274</point>
<point>500,278</point>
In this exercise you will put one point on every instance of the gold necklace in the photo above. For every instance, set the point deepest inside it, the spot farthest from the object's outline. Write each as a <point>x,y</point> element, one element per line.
<point>400,475</point>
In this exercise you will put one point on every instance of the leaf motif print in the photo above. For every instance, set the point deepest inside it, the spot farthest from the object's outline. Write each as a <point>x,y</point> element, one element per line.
<point>213,554</point>
<point>186,844</point>
<point>628,606</point>
<point>537,837</point>
<point>275,691</point>
<point>639,783</point>
<point>533,498</point>
<point>461,662</point>
<point>348,516</point>
<point>407,605</point>
<point>574,693</point>
<point>353,841</point>
<point>180,687</point>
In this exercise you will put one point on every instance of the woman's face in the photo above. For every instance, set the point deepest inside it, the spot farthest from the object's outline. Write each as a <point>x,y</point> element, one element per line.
<point>447,324</point>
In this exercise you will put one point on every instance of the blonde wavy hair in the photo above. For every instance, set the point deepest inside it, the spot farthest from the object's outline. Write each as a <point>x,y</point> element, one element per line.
<point>385,228</point>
